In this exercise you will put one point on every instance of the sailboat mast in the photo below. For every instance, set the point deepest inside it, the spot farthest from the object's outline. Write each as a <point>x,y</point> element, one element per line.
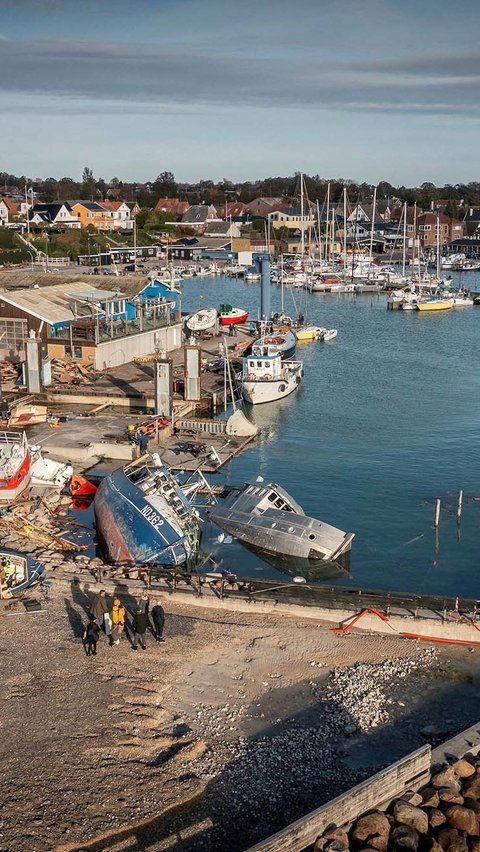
<point>319,233</point>
<point>301,215</point>
<point>415,241</point>
<point>404,253</point>
<point>438,247</point>
<point>344,226</point>
<point>373,224</point>
<point>327,225</point>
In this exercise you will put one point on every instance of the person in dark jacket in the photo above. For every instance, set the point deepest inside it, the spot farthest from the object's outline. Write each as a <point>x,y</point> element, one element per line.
<point>90,637</point>
<point>158,618</point>
<point>140,622</point>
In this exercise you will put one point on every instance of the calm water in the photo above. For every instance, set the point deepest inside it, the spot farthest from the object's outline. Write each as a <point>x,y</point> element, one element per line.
<point>387,420</point>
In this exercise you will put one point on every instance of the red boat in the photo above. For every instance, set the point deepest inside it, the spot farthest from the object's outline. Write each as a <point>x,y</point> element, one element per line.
<point>231,316</point>
<point>15,465</point>
<point>81,487</point>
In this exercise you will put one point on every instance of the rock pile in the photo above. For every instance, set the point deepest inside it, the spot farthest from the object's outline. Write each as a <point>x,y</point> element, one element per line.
<point>442,817</point>
<point>359,697</point>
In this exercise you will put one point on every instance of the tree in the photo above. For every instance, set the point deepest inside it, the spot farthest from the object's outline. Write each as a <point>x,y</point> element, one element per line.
<point>88,183</point>
<point>165,185</point>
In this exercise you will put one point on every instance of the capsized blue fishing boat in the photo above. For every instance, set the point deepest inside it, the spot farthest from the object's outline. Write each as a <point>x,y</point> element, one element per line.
<point>143,517</point>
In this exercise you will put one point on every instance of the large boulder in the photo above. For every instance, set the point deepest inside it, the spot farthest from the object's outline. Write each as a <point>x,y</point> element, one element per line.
<point>451,841</point>
<point>372,830</point>
<point>472,787</point>
<point>436,818</point>
<point>463,820</point>
<point>463,768</point>
<point>336,840</point>
<point>408,814</point>
<point>403,838</point>
<point>444,778</point>
<point>430,798</point>
<point>450,795</point>
<point>472,805</point>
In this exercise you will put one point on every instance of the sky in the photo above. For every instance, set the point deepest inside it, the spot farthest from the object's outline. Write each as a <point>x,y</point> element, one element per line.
<point>361,89</point>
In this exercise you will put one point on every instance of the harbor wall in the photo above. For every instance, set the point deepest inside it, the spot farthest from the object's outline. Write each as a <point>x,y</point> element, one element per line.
<point>429,626</point>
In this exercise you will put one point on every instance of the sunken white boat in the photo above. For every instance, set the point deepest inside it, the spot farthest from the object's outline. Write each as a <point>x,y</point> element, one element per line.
<point>265,516</point>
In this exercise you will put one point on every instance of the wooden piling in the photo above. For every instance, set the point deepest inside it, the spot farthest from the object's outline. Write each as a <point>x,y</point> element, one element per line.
<point>459,507</point>
<point>437,513</point>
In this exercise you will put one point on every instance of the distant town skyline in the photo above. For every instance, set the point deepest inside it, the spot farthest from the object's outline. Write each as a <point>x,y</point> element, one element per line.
<point>369,90</point>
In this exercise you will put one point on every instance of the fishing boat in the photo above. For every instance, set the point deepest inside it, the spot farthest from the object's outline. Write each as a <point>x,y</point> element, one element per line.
<point>81,487</point>
<point>143,517</point>
<point>281,341</point>
<point>265,516</point>
<point>27,571</point>
<point>15,465</point>
<point>329,334</point>
<point>232,316</point>
<point>202,320</point>
<point>251,276</point>
<point>266,378</point>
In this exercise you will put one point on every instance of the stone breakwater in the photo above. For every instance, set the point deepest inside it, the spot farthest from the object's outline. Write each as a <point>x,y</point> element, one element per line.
<point>444,816</point>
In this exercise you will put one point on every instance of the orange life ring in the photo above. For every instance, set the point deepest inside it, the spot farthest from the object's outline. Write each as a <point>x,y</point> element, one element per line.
<point>251,377</point>
<point>267,377</point>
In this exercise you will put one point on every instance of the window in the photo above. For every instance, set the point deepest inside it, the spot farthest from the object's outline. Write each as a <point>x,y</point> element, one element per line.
<point>12,334</point>
<point>77,351</point>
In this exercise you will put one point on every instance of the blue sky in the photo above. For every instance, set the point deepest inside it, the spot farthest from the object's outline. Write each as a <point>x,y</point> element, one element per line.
<point>362,89</point>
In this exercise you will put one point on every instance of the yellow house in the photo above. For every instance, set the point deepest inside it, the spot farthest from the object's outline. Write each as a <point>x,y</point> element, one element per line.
<point>92,213</point>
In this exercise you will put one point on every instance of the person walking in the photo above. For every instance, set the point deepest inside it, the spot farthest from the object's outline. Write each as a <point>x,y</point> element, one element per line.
<point>140,622</point>
<point>100,612</point>
<point>158,618</point>
<point>90,637</point>
<point>118,621</point>
<point>144,604</point>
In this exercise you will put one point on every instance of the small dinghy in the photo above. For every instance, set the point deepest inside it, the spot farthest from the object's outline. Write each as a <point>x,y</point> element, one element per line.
<point>232,316</point>
<point>329,334</point>
<point>20,571</point>
<point>81,487</point>
<point>202,320</point>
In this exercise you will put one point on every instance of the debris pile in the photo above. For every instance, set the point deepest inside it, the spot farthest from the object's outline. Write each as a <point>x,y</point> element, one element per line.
<point>360,697</point>
<point>34,525</point>
<point>444,815</point>
<point>9,374</point>
<point>72,373</point>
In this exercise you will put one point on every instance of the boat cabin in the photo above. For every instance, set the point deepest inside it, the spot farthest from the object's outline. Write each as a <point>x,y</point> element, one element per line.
<point>269,498</point>
<point>263,367</point>
<point>17,572</point>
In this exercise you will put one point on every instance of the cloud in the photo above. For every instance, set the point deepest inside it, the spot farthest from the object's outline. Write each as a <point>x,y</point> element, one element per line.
<point>175,76</point>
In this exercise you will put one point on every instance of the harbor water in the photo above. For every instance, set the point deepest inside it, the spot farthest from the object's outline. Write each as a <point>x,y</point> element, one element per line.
<point>385,422</point>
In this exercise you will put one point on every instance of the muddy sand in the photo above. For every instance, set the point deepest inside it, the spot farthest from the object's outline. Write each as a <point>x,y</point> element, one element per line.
<point>233,727</point>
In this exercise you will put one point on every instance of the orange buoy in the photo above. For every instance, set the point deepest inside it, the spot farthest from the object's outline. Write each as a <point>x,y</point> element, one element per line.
<point>81,487</point>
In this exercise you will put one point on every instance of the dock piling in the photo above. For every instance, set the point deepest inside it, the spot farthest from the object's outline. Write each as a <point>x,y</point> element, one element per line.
<point>437,513</point>
<point>459,507</point>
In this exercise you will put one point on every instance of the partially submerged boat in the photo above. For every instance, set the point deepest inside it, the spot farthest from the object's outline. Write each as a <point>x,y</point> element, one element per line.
<point>265,516</point>
<point>143,517</point>
<point>81,487</point>
<point>15,465</point>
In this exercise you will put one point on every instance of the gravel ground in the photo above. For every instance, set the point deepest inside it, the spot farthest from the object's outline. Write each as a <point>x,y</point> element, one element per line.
<point>269,717</point>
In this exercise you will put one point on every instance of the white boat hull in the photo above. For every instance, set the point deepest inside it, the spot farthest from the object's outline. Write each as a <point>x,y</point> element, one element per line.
<point>258,392</point>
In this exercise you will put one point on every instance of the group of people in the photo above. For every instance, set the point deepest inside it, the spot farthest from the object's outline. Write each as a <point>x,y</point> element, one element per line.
<point>118,620</point>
